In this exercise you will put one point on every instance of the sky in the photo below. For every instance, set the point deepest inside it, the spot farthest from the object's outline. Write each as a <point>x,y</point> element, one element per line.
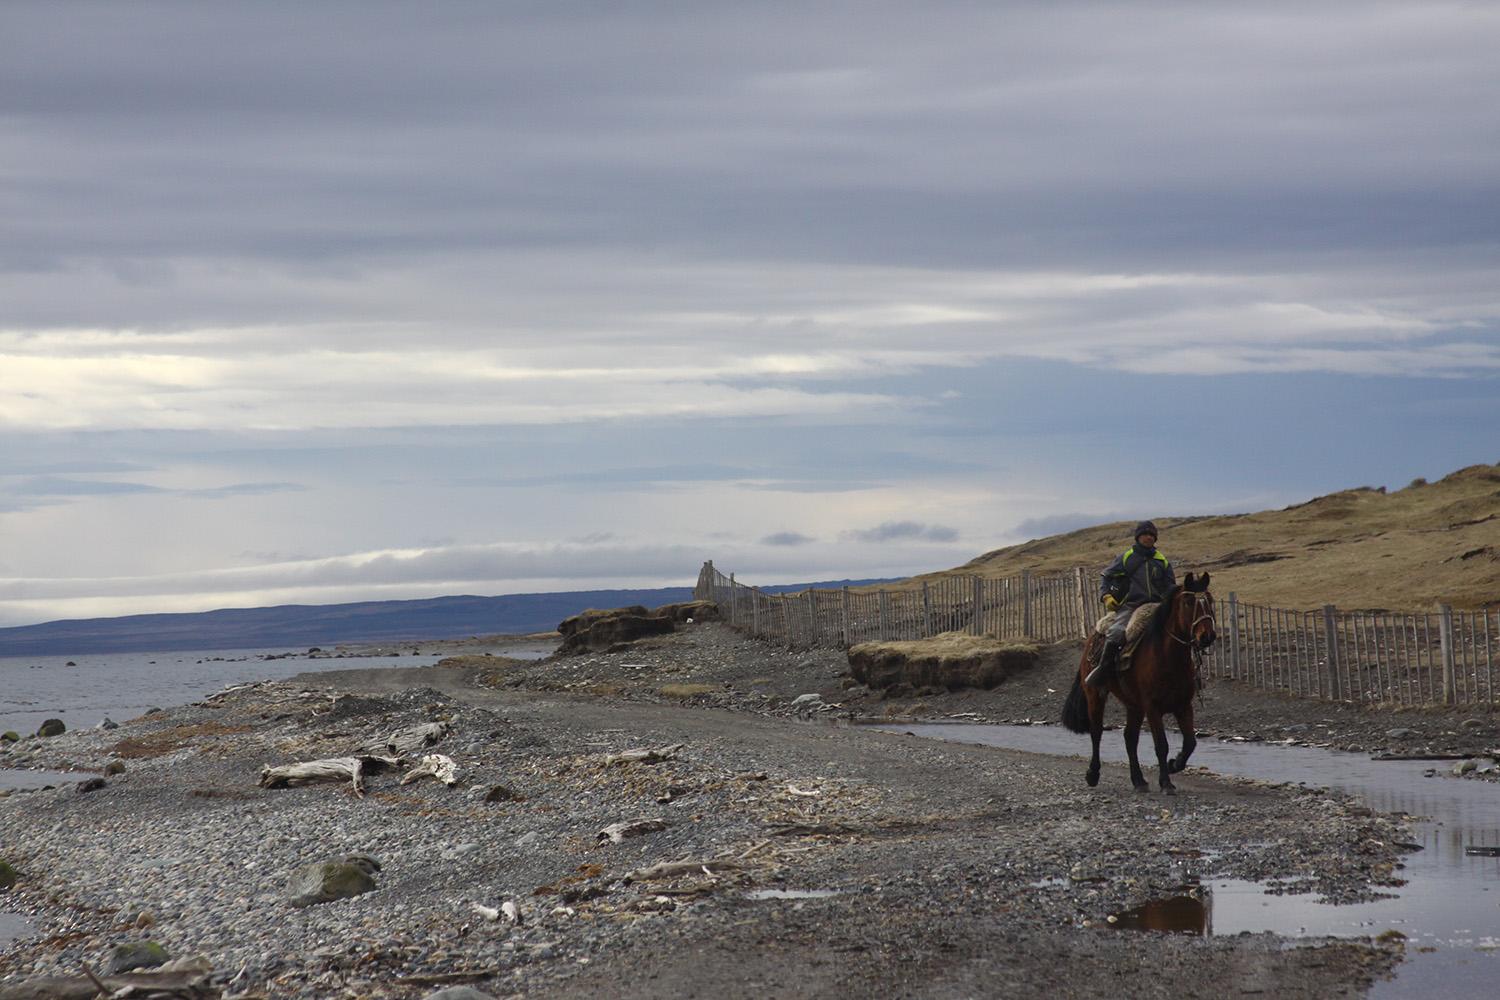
<point>311,303</point>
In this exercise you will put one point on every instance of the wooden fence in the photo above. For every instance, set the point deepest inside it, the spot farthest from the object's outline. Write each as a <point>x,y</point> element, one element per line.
<point>1385,658</point>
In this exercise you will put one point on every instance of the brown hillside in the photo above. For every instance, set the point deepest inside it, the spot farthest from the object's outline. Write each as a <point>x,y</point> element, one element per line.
<point>1360,549</point>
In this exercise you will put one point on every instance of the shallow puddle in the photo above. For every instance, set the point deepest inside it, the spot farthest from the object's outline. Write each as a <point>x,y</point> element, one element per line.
<point>13,927</point>
<point>1449,910</point>
<point>791,893</point>
<point>1190,913</point>
<point>19,778</point>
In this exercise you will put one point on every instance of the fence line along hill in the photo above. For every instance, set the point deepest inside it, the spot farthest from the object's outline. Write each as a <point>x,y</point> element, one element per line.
<point>1369,549</point>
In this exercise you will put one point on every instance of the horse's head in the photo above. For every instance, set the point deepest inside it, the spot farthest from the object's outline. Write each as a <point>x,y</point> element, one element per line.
<point>1195,611</point>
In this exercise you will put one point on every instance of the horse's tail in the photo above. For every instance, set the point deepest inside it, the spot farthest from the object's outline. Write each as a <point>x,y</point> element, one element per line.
<point>1075,714</point>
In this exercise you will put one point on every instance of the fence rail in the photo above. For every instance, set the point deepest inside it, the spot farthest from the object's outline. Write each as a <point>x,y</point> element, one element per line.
<point>1383,658</point>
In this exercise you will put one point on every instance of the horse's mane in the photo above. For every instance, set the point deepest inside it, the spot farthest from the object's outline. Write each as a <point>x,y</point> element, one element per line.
<point>1157,624</point>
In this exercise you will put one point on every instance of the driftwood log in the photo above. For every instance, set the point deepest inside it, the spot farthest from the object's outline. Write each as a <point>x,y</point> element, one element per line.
<point>414,739</point>
<point>434,765</point>
<point>643,756</point>
<point>616,833</point>
<point>674,869</point>
<point>185,979</point>
<point>350,769</point>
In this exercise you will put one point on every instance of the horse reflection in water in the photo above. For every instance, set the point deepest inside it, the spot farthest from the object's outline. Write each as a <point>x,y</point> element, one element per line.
<point>1162,680</point>
<point>1189,914</point>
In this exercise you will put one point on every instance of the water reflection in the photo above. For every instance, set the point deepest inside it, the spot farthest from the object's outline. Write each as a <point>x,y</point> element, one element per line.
<point>1190,913</point>
<point>1451,901</point>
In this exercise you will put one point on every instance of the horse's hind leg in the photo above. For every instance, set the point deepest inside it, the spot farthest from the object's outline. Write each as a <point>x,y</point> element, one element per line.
<point>1133,717</point>
<point>1159,737</point>
<point>1189,739</point>
<point>1096,730</point>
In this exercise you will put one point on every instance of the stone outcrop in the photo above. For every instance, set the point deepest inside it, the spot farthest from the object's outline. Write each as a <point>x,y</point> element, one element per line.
<point>595,631</point>
<point>949,661</point>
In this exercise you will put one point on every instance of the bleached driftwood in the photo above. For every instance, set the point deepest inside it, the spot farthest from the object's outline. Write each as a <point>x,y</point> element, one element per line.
<point>184,979</point>
<point>434,765</point>
<point>616,833</point>
<point>643,756</point>
<point>350,769</point>
<point>414,739</point>
<point>672,869</point>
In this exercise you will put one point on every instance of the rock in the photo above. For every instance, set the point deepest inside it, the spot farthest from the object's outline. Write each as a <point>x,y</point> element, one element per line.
<point>1465,766</point>
<point>458,993</point>
<point>609,629</point>
<point>91,785</point>
<point>810,699</point>
<point>1400,734</point>
<point>949,661</point>
<point>113,768</point>
<point>10,736</point>
<point>585,619</point>
<point>8,875</point>
<point>689,611</point>
<point>1474,724</point>
<point>527,839</point>
<point>52,727</point>
<point>494,793</point>
<point>107,723</point>
<point>327,881</point>
<point>136,955</point>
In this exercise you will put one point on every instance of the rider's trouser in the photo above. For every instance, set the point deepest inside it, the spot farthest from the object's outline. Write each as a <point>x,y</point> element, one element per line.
<point>1116,633</point>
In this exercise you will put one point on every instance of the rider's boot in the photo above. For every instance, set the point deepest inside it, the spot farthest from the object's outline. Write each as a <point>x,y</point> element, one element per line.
<point>1100,675</point>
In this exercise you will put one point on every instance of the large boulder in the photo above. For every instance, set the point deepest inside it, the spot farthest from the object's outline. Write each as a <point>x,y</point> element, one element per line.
<point>327,881</point>
<point>952,660</point>
<point>52,727</point>
<point>614,629</point>
<point>8,875</point>
<point>585,619</point>
<point>689,611</point>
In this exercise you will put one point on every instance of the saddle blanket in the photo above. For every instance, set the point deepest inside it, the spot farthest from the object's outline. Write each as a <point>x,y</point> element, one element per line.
<point>1134,629</point>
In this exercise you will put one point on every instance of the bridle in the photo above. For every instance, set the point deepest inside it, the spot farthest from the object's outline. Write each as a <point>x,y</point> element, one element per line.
<point>1203,610</point>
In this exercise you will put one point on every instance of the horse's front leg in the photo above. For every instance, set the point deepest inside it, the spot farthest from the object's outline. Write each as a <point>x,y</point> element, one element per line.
<point>1189,739</point>
<point>1096,701</point>
<point>1133,718</point>
<point>1159,737</point>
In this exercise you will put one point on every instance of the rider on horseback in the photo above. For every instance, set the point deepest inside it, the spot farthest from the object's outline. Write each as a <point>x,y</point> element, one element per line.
<point>1140,575</point>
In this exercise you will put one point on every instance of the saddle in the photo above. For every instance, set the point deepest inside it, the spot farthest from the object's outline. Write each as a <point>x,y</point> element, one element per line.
<point>1133,631</point>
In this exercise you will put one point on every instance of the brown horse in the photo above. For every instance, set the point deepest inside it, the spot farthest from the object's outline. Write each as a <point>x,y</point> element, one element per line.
<point>1162,679</point>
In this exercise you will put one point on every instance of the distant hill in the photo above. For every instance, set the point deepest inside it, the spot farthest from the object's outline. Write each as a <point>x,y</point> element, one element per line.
<point>1358,549</point>
<point>329,624</point>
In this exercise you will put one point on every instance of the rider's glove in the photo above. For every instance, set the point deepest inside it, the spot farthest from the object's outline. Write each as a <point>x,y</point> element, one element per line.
<point>1111,602</point>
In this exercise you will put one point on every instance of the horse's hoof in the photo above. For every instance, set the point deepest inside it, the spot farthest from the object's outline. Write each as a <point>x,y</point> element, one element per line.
<point>1143,787</point>
<point>1092,778</point>
<point>1169,789</point>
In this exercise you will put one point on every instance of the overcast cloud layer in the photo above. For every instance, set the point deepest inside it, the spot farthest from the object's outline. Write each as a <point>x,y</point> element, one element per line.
<point>320,302</point>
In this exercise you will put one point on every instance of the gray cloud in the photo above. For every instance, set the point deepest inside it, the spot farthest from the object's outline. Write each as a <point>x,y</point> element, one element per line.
<point>890,531</point>
<point>1056,524</point>
<point>787,538</point>
<point>56,486</point>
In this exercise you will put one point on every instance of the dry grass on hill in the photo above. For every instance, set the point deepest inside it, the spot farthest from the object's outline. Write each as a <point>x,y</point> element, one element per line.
<point>1359,549</point>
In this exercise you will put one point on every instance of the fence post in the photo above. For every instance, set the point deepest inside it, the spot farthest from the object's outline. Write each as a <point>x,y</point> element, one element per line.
<point>786,618</point>
<point>926,611</point>
<point>734,599</point>
<point>1026,603</point>
<point>812,617</point>
<point>1330,627</point>
<point>885,613</point>
<point>978,605</point>
<point>1083,602</point>
<point>755,612</point>
<point>1445,637</point>
<point>848,637</point>
<point>1234,635</point>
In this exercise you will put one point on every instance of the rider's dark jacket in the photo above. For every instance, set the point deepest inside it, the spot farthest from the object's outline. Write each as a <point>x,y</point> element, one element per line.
<point>1138,576</point>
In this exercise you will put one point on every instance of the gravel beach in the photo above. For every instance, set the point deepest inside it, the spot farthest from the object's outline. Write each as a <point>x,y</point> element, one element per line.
<point>828,859</point>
